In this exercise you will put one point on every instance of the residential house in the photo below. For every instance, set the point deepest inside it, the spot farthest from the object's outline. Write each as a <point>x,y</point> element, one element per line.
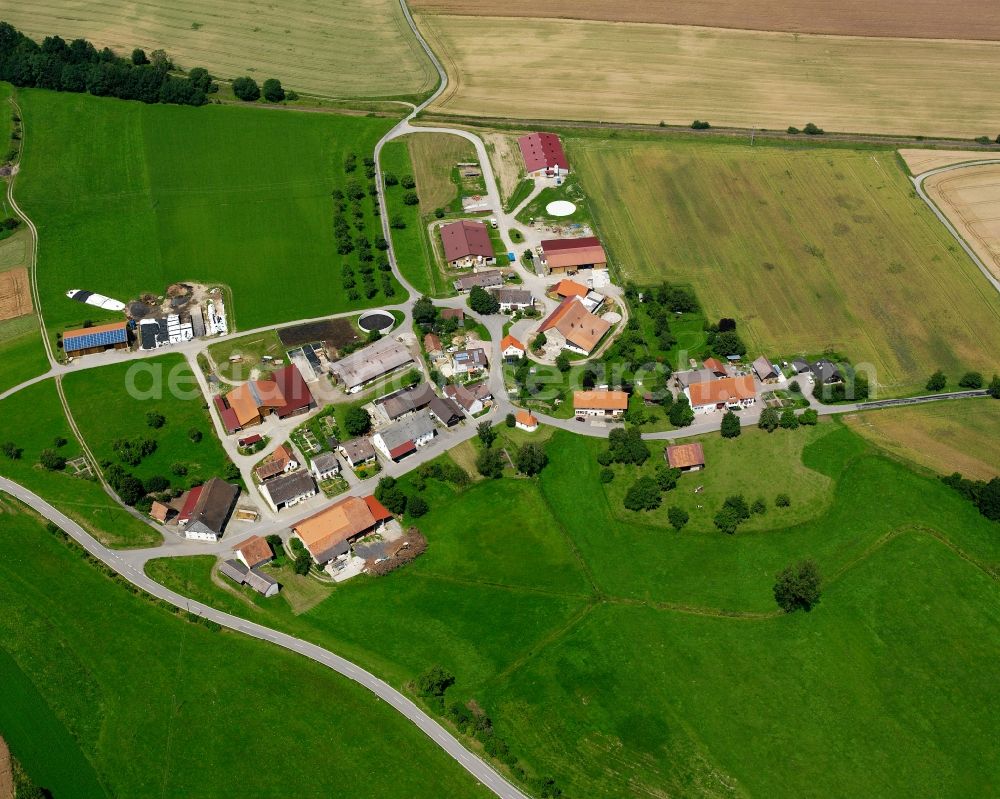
<point>765,370</point>
<point>358,452</point>
<point>445,410</point>
<point>543,155</point>
<point>288,490</point>
<point>432,345</point>
<point>467,244</point>
<point>571,326</point>
<point>329,533</point>
<point>370,363</point>
<point>464,398</point>
<point>281,461</point>
<point>454,313</point>
<point>468,362</point>
<point>490,278</point>
<point>523,420</point>
<point>570,255</point>
<point>207,509</point>
<point>511,349</point>
<point>716,367</point>
<point>325,466</point>
<point>254,551</point>
<point>600,402</point>
<point>825,372</point>
<point>686,457</point>
<point>733,393</point>
<point>402,438</point>
<point>285,394</point>
<point>513,299</point>
<point>91,340</point>
<point>800,365</point>
<point>481,391</point>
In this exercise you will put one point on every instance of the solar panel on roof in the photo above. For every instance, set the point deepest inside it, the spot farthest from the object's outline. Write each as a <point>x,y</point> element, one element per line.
<point>102,339</point>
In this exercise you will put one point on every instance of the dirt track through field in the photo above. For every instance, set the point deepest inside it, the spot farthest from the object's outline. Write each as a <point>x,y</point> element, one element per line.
<point>623,72</point>
<point>970,198</point>
<point>920,19</point>
<point>15,293</point>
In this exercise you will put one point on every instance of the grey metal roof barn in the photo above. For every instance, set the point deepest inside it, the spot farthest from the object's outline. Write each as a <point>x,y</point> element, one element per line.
<point>409,429</point>
<point>370,362</point>
<point>290,487</point>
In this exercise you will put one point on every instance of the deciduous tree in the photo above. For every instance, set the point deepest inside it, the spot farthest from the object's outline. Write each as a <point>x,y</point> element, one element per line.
<point>730,425</point>
<point>798,587</point>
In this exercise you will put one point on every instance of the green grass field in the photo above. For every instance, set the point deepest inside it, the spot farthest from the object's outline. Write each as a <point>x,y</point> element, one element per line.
<point>358,49</point>
<point>159,706</point>
<point>32,419</point>
<point>112,403</point>
<point>157,194</point>
<point>651,662</point>
<point>21,351</point>
<point>810,249</point>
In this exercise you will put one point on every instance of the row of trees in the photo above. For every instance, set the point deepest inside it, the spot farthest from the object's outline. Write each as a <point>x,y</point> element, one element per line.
<point>246,89</point>
<point>78,66</point>
<point>970,380</point>
<point>771,419</point>
<point>984,495</point>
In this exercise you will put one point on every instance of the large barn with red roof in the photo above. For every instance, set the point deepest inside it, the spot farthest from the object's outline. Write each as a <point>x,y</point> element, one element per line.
<point>543,155</point>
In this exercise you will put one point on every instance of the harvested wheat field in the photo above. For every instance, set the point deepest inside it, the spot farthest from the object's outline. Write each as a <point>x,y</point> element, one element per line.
<point>507,161</point>
<point>946,437</point>
<point>434,157</point>
<point>810,249</point>
<point>920,161</point>
<point>363,48</point>
<point>921,19</point>
<point>603,71</point>
<point>970,198</point>
<point>15,293</point>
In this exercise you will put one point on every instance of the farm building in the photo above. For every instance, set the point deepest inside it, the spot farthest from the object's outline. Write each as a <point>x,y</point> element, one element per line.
<point>800,366</point>
<point>765,370</point>
<point>240,574</point>
<point>728,392</point>
<point>405,401</point>
<point>491,278</point>
<point>358,451</point>
<point>249,441</point>
<point>432,344</point>
<point>571,326</point>
<point>91,340</point>
<point>402,438</point>
<point>329,533</point>
<point>523,420</point>
<point>281,461</point>
<point>717,367</point>
<point>285,394</point>
<point>468,362</point>
<point>288,490</point>
<point>370,363</point>
<point>465,399</point>
<point>600,402</point>
<point>253,551</point>
<point>162,331</point>
<point>686,457</point>
<point>325,465</point>
<point>445,410</point>
<point>161,512</point>
<point>685,379</point>
<point>569,255</point>
<point>543,155</point>
<point>453,313</point>
<point>511,349</point>
<point>513,299</point>
<point>826,373</point>
<point>570,288</point>
<point>206,510</point>
<point>467,244</point>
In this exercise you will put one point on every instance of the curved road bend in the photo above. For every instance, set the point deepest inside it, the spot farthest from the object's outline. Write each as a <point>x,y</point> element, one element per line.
<point>474,765</point>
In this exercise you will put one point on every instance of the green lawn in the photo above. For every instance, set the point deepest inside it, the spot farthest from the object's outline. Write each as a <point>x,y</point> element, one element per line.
<point>251,349</point>
<point>154,194</point>
<point>21,351</point>
<point>159,706</point>
<point>628,659</point>
<point>32,419</point>
<point>112,403</point>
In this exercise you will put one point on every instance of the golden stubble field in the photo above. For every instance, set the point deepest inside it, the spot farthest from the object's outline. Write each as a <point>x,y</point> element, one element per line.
<point>970,198</point>
<point>434,156</point>
<point>920,19</point>
<point>362,48</point>
<point>919,161</point>
<point>810,249</point>
<point>606,71</point>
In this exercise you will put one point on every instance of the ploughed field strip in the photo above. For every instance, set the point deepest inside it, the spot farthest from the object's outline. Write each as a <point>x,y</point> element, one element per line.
<point>921,19</point>
<point>650,73</point>
<point>359,49</point>
<point>15,293</point>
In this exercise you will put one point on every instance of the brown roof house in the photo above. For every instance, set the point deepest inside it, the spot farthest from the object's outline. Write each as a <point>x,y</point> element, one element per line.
<point>329,533</point>
<point>206,520</point>
<point>600,402</point>
<point>569,255</point>
<point>686,457</point>
<point>279,462</point>
<point>467,244</point>
<point>253,551</point>
<point>765,369</point>
<point>574,328</point>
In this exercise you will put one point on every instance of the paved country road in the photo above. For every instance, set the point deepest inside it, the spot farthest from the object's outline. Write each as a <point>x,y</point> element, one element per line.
<point>470,762</point>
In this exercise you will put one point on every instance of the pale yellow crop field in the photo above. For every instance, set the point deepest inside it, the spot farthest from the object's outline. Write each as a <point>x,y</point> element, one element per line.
<point>970,198</point>
<point>919,160</point>
<point>335,48</point>
<point>627,72</point>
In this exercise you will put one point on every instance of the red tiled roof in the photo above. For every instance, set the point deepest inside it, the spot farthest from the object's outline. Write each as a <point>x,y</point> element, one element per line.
<point>465,238</point>
<point>379,512</point>
<point>525,418</point>
<point>228,415</point>
<point>562,253</point>
<point>570,288</point>
<point>542,151</point>
<point>510,341</point>
<point>683,456</point>
<point>189,502</point>
<point>293,389</point>
<point>715,365</point>
<point>600,400</point>
<point>714,392</point>
<point>255,550</point>
<point>403,449</point>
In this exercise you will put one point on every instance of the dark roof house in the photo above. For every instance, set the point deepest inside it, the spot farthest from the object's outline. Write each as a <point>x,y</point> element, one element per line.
<point>466,239</point>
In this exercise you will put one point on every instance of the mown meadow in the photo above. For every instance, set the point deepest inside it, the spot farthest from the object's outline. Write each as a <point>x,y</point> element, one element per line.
<point>622,657</point>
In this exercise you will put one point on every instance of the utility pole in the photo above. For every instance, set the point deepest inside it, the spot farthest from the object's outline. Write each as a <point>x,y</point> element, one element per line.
<point>753,134</point>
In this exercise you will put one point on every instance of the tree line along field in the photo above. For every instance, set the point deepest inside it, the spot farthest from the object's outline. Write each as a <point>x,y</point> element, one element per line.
<point>811,249</point>
<point>922,19</point>
<point>651,73</point>
<point>358,49</point>
<point>625,658</point>
<point>147,704</point>
<point>154,194</point>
